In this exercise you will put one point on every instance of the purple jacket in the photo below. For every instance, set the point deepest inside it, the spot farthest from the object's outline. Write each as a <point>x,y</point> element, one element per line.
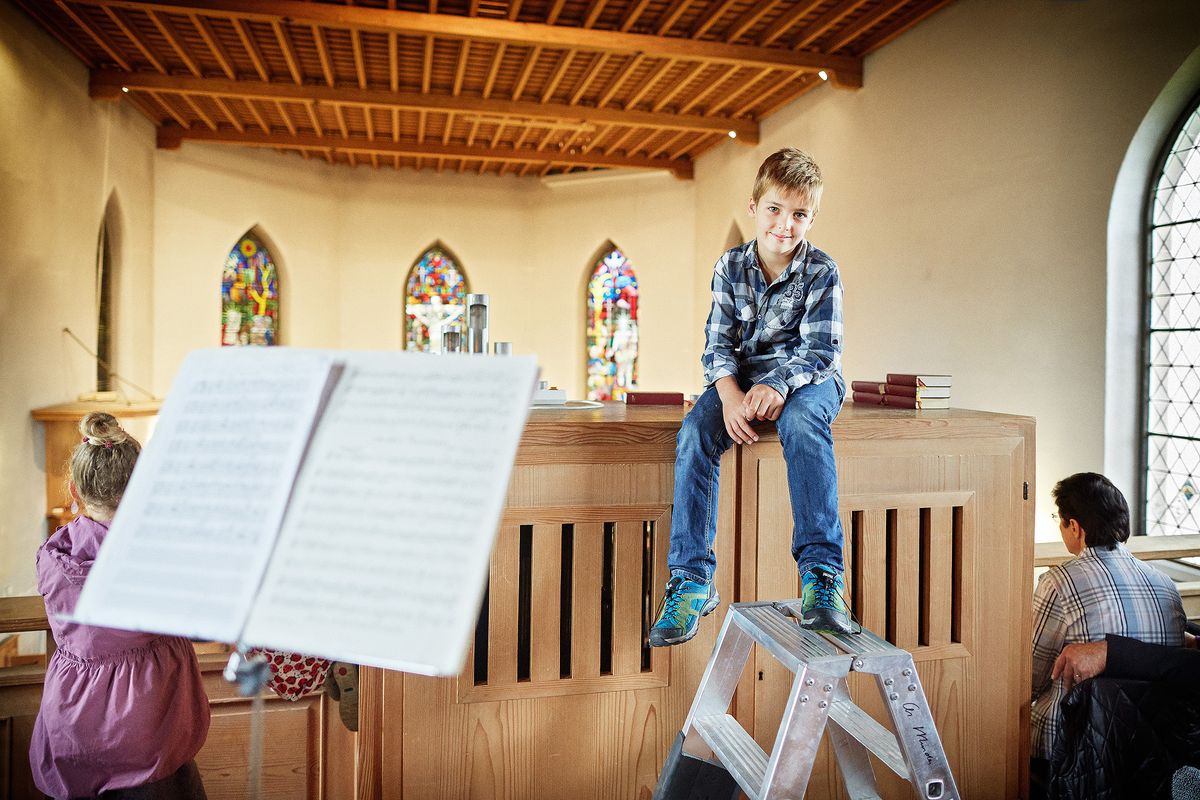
<point>119,709</point>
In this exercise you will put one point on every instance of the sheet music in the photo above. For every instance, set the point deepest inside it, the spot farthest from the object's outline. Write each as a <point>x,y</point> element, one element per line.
<point>383,553</point>
<point>187,548</point>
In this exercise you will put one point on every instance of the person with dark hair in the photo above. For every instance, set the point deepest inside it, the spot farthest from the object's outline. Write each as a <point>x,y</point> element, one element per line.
<point>1104,590</point>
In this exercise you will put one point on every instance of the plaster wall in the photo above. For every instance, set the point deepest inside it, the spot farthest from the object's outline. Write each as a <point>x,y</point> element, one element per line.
<point>967,202</point>
<point>63,158</point>
<point>346,239</point>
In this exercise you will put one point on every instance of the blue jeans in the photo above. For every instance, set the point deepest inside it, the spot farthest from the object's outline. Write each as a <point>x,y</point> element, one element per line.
<point>804,431</point>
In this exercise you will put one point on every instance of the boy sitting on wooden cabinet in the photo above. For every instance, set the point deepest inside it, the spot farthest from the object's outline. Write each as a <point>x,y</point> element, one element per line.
<point>773,353</point>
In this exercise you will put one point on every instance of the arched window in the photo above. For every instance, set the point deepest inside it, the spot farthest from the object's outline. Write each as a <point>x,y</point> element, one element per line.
<point>1172,408</point>
<point>612,326</point>
<point>435,298</point>
<point>250,294</point>
<point>104,307</point>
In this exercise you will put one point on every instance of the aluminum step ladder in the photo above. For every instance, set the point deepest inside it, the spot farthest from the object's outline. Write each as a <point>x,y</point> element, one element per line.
<point>819,695</point>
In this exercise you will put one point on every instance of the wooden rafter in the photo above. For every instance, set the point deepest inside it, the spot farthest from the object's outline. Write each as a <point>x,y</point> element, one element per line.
<point>164,27</point>
<point>865,23</point>
<point>323,54</point>
<point>362,18</point>
<point>360,68</point>
<point>749,19</point>
<point>710,17</point>
<point>506,87</point>
<point>526,71</point>
<point>204,26</point>
<point>787,20</point>
<point>96,34</point>
<point>247,38</point>
<point>129,34</point>
<point>289,55</point>
<point>826,21</point>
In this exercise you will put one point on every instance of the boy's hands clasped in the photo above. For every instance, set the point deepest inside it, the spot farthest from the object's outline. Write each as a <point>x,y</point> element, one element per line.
<point>741,409</point>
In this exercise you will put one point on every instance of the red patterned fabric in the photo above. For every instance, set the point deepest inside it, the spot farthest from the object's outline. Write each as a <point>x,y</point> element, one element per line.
<point>292,675</point>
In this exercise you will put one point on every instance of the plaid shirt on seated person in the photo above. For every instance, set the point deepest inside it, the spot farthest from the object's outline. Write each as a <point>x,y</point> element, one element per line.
<point>783,335</point>
<point>1102,591</point>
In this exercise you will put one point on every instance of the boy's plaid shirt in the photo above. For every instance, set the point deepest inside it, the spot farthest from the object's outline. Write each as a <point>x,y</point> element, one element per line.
<point>1100,592</point>
<point>783,335</point>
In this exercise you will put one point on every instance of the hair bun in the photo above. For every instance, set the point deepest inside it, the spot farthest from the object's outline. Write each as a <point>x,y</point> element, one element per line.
<point>102,430</point>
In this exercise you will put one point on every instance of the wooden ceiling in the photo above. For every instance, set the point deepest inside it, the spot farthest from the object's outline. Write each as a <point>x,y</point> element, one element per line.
<point>525,87</point>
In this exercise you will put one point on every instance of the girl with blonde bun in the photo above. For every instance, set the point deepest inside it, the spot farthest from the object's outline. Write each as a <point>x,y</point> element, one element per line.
<point>123,714</point>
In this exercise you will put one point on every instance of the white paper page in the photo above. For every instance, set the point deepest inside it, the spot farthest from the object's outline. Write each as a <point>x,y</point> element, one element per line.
<point>385,548</point>
<point>186,551</point>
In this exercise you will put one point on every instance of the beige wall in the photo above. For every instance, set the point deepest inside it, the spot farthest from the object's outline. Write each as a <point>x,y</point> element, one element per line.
<point>62,157</point>
<point>967,201</point>
<point>346,239</point>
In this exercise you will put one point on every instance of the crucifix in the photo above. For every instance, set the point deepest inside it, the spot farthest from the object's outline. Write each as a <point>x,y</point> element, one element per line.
<point>436,316</point>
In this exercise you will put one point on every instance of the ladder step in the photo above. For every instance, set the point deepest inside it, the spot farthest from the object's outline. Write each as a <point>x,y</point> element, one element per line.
<point>737,751</point>
<point>875,737</point>
<point>781,635</point>
<point>860,643</point>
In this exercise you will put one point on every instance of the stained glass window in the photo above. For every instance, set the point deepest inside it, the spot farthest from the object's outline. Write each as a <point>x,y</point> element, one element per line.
<point>249,295</point>
<point>612,327</point>
<point>435,298</point>
<point>1172,436</point>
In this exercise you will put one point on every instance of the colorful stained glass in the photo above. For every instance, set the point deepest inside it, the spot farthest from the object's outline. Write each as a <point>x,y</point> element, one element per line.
<point>249,295</point>
<point>612,328</point>
<point>435,296</point>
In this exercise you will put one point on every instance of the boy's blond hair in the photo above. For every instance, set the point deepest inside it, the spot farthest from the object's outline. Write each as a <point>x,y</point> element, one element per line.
<point>102,463</point>
<point>790,170</point>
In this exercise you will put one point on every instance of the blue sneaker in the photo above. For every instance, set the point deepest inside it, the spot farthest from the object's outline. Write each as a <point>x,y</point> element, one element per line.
<point>683,604</point>
<point>822,601</point>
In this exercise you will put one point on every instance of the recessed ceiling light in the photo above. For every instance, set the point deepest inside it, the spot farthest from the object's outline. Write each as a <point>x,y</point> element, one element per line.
<point>733,134</point>
<point>824,75</point>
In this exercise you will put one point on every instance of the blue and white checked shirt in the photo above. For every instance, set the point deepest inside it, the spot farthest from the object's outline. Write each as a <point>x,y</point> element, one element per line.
<point>783,335</point>
<point>1100,592</point>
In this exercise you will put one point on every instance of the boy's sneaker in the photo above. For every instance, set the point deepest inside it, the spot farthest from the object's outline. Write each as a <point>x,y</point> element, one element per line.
<point>683,604</point>
<point>822,604</point>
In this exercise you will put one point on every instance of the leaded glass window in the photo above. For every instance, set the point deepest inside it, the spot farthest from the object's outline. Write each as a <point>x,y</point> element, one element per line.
<point>1173,344</point>
<point>612,327</point>
<point>435,298</point>
<point>249,295</point>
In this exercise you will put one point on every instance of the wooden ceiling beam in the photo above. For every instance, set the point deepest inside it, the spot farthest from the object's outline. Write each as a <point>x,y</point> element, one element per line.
<point>748,19</point>
<point>682,82</point>
<point>494,70</point>
<point>363,18</point>
<point>164,27</point>
<point>251,47</point>
<point>631,17</point>
<point>229,115</point>
<point>910,19</point>
<point>204,25</point>
<point>786,21</point>
<point>360,67</point>
<point>649,81</point>
<point>865,23</point>
<point>289,51</point>
<point>96,35</point>
<point>671,16</point>
<point>555,10</point>
<point>393,63</point>
<point>36,10</point>
<point>556,78</point>
<point>426,64</point>
<point>107,84</point>
<point>323,54</point>
<point>593,13</point>
<point>514,9</point>
<point>460,70</point>
<point>526,71</point>
<point>826,21</point>
<point>615,84</point>
<point>711,17</point>
<point>287,118</point>
<point>170,137</point>
<point>137,40</point>
<point>258,117</point>
<point>588,77</point>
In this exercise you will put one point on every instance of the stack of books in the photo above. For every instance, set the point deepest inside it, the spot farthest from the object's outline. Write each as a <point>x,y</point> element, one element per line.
<point>905,391</point>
